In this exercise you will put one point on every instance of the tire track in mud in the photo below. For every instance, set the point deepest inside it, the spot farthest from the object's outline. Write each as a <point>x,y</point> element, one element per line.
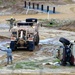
<point>19,55</point>
<point>22,55</point>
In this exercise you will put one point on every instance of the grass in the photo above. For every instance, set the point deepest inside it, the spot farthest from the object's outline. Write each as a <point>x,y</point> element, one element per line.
<point>54,67</point>
<point>56,60</point>
<point>68,1</point>
<point>0,2</point>
<point>1,67</point>
<point>13,2</point>
<point>53,22</point>
<point>31,65</point>
<point>27,65</point>
<point>56,22</point>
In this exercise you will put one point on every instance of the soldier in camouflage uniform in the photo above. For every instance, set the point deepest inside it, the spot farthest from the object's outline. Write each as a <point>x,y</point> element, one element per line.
<point>11,21</point>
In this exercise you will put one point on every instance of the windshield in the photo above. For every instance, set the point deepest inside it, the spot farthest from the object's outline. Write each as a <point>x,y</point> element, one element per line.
<point>14,34</point>
<point>25,24</point>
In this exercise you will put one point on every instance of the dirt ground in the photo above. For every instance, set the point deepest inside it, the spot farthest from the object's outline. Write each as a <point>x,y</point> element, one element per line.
<point>42,51</point>
<point>39,16</point>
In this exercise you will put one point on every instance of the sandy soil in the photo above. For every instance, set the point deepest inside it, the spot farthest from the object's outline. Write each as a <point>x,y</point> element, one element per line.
<point>39,16</point>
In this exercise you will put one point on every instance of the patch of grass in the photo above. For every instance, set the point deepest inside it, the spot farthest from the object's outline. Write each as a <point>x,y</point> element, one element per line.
<point>13,2</point>
<point>27,65</point>
<point>0,2</point>
<point>18,66</point>
<point>45,60</point>
<point>55,22</point>
<point>1,67</point>
<point>68,1</point>
<point>52,22</point>
<point>56,60</point>
<point>54,67</point>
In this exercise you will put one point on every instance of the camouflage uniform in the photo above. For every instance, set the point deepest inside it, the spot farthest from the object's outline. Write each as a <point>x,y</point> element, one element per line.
<point>11,21</point>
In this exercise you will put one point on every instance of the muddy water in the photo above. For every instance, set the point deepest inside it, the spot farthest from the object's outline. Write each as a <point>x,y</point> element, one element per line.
<point>4,26</point>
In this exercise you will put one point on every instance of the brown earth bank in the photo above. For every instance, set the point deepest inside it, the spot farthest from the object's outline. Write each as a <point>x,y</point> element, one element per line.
<point>68,27</point>
<point>3,37</point>
<point>38,16</point>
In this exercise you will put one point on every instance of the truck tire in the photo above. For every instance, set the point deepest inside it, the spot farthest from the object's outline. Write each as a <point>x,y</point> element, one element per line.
<point>37,40</point>
<point>72,60</point>
<point>12,45</point>
<point>31,46</point>
<point>65,41</point>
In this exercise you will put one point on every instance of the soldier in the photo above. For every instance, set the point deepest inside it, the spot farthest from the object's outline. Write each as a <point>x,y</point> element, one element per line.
<point>11,21</point>
<point>9,54</point>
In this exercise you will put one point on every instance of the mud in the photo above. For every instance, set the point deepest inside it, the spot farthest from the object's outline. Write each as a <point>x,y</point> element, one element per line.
<point>45,52</point>
<point>69,27</point>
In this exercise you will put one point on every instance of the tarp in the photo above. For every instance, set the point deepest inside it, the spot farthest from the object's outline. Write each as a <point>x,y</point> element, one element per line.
<point>53,41</point>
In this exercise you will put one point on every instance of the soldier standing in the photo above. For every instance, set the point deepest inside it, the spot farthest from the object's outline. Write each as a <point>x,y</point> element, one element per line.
<point>9,54</point>
<point>11,21</point>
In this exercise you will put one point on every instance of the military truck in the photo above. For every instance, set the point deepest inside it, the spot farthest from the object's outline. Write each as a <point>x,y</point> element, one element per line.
<point>25,35</point>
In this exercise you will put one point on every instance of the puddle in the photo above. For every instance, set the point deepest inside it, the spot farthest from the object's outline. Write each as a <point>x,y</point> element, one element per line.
<point>53,41</point>
<point>45,41</point>
<point>4,26</point>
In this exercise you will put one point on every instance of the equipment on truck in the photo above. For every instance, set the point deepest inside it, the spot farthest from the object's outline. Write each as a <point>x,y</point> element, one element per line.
<point>25,34</point>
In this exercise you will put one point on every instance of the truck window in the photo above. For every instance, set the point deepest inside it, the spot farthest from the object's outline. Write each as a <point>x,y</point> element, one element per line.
<point>25,24</point>
<point>14,34</point>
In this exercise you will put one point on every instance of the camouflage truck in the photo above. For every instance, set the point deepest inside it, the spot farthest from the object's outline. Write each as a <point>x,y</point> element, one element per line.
<point>25,35</point>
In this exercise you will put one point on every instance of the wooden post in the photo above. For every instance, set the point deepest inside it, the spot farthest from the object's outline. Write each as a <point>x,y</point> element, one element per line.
<point>25,4</point>
<point>47,8</point>
<point>48,15</point>
<point>33,6</point>
<point>37,6</point>
<point>29,4</point>
<point>42,7</point>
<point>53,9</point>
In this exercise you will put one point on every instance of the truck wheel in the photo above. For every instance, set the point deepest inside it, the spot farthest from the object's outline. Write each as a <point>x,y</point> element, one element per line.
<point>71,63</point>
<point>65,41</point>
<point>63,63</point>
<point>72,60</point>
<point>31,46</point>
<point>37,40</point>
<point>12,45</point>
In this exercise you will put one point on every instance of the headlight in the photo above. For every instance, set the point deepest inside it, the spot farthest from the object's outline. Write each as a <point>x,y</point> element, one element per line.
<point>33,26</point>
